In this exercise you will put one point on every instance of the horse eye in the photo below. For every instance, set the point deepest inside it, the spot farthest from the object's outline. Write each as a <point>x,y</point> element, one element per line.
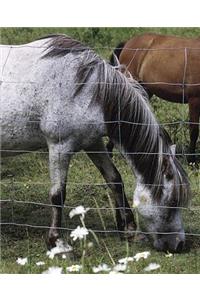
<point>169,175</point>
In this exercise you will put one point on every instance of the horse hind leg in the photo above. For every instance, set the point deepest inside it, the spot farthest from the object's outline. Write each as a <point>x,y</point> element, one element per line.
<point>124,215</point>
<point>59,160</point>
<point>194,113</point>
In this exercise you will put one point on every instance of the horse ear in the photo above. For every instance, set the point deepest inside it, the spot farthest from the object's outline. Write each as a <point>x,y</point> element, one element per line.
<point>173,150</point>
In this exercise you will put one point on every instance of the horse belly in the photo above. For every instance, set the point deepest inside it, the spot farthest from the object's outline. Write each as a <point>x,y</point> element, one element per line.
<point>167,92</point>
<point>18,138</point>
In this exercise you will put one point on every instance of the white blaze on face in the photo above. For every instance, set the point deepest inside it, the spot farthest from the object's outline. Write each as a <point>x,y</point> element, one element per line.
<point>168,188</point>
<point>143,201</point>
<point>141,196</point>
<point>148,208</point>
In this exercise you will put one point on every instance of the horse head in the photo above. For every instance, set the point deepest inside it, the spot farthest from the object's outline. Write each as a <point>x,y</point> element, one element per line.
<point>160,205</point>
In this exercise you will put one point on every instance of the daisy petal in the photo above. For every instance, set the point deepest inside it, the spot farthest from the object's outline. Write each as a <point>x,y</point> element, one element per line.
<point>152,267</point>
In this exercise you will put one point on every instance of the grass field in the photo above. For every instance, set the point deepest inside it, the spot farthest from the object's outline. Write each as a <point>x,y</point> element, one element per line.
<point>25,182</point>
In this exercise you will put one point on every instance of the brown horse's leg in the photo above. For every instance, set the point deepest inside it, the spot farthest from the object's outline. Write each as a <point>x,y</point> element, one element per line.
<point>58,166</point>
<point>124,215</point>
<point>194,113</point>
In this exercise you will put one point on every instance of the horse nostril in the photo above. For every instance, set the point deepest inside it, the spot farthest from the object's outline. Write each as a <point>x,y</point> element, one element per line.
<point>165,246</point>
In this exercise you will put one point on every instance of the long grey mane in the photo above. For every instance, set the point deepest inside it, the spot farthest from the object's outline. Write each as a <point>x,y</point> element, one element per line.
<point>130,122</point>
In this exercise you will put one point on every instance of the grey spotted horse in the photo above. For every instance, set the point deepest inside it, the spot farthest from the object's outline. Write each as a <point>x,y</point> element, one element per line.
<point>58,93</point>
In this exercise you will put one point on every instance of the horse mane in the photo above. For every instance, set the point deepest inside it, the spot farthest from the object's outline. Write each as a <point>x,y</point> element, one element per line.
<point>130,122</point>
<point>61,44</point>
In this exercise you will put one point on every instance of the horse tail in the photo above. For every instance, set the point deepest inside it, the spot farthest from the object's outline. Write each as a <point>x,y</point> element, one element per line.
<point>116,53</point>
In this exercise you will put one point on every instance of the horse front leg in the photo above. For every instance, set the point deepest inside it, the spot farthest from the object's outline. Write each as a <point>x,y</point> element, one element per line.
<point>59,160</point>
<point>194,113</point>
<point>124,215</point>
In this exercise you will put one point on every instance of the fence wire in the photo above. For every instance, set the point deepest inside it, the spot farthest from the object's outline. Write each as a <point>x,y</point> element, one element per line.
<point>10,183</point>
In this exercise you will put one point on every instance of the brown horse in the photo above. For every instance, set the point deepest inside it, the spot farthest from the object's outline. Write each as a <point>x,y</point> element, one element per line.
<point>168,67</point>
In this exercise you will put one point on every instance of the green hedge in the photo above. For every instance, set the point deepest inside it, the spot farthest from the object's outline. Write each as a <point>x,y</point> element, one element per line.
<point>95,37</point>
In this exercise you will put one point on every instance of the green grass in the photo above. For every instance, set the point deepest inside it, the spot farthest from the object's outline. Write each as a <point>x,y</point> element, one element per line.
<point>25,179</point>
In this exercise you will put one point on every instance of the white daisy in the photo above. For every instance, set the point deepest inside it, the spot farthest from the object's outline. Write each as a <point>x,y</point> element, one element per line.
<point>143,255</point>
<point>79,233</point>
<point>125,260</point>
<point>79,210</point>
<point>120,268</point>
<point>74,268</point>
<point>22,261</point>
<point>53,270</point>
<point>101,268</point>
<point>40,263</point>
<point>114,272</point>
<point>168,255</point>
<point>90,245</point>
<point>152,267</point>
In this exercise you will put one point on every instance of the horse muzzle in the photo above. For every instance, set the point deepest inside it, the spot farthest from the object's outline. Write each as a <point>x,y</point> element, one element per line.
<point>174,242</point>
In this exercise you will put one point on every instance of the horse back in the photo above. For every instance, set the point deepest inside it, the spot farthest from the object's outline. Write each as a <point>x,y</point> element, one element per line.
<point>164,64</point>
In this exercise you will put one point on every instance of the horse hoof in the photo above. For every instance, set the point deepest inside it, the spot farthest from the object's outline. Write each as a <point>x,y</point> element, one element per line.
<point>51,241</point>
<point>62,249</point>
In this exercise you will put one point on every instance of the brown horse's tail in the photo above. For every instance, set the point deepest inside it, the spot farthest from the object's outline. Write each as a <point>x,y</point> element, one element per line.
<point>116,52</point>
